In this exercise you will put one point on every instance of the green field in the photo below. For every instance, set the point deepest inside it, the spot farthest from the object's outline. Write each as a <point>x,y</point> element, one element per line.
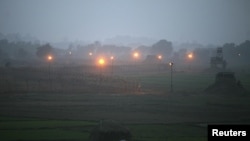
<point>149,117</point>
<point>35,129</point>
<point>153,113</point>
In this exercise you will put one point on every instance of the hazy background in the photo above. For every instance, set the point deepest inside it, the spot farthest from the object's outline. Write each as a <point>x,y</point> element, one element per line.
<point>203,21</point>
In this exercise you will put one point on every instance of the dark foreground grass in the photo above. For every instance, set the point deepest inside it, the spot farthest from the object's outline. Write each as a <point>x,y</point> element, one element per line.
<point>37,129</point>
<point>153,115</point>
<point>168,132</point>
<point>149,117</point>
<point>53,130</point>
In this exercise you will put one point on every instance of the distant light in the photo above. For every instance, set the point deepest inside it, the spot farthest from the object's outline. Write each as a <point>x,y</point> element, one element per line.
<point>239,54</point>
<point>136,54</point>
<point>101,61</point>
<point>112,57</point>
<point>90,54</point>
<point>70,53</point>
<point>171,64</point>
<point>50,57</point>
<point>190,56</point>
<point>159,57</point>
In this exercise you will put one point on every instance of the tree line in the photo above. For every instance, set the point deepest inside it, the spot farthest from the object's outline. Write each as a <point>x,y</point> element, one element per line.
<point>23,50</point>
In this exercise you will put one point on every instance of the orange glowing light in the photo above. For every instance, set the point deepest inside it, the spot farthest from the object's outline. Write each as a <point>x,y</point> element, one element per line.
<point>101,61</point>
<point>159,57</point>
<point>136,54</point>
<point>190,56</point>
<point>50,57</point>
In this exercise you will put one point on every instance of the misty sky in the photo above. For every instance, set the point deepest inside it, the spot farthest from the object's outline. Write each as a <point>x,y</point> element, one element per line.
<point>203,21</point>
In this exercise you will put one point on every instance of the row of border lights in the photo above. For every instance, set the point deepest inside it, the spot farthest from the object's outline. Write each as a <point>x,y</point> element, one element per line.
<point>136,55</point>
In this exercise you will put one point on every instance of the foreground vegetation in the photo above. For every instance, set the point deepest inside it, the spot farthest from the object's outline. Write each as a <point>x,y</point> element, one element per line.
<point>150,113</point>
<point>148,117</point>
<point>42,129</point>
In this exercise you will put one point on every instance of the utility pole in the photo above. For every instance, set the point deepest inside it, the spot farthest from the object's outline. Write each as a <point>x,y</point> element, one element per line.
<point>171,76</point>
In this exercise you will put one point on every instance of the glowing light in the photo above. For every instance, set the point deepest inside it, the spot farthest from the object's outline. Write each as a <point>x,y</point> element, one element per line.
<point>159,57</point>
<point>101,61</point>
<point>171,64</point>
<point>90,54</point>
<point>112,57</point>
<point>136,54</point>
<point>49,57</point>
<point>70,53</point>
<point>190,56</point>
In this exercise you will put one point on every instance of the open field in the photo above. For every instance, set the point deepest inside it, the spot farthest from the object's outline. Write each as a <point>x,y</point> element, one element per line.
<point>125,79</point>
<point>35,129</point>
<point>149,117</point>
<point>151,113</point>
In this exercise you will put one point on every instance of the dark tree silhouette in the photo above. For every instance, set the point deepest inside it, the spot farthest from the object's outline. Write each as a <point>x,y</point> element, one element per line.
<point>44,50</point>
<point>244,48</point>
<point>22,53</point>
<point>163,47</point>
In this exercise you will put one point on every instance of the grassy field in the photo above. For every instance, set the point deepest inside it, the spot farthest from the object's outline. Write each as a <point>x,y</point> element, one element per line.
<point>35,129</point>
<point>149,117</point>
<point>152,113</point>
